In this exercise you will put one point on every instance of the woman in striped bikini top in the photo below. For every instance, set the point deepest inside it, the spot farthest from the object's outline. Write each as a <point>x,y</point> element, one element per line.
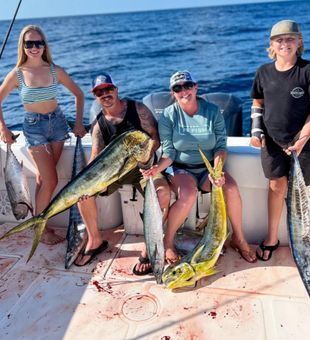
<point>30,95</point>
<point>45,128</point>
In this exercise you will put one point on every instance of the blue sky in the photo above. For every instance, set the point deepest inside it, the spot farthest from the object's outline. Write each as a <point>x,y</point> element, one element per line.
<point>47,8</point>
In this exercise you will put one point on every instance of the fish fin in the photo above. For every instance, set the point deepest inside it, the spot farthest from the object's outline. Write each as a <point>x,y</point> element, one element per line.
<point>126,167</point>
<point>20,227</point>
<point>211,271</point>
<point>39,229</point>
<point>197,253</point>
<point>14,137</point>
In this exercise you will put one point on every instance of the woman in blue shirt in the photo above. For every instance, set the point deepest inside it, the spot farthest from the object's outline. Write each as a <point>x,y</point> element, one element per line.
<point>189,122</point>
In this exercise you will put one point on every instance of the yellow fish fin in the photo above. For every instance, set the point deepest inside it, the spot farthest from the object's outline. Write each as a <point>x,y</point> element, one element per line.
<point>195,256</point>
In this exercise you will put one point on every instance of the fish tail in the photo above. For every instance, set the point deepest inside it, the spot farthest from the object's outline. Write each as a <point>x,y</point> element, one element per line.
<point>218,169</point>
<point>215,173</point>
<point>207,163</point>
<point>39,229</point>
<point>20,227</point>
<point>38,223</point>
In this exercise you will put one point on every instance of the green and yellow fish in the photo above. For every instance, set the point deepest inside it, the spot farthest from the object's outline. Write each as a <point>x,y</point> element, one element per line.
<point>201,261</point>
<point>121,156</point>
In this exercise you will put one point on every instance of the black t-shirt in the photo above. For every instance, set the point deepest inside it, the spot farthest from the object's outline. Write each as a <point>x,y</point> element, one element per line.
<point>286,99</point>
<point>131,121</point>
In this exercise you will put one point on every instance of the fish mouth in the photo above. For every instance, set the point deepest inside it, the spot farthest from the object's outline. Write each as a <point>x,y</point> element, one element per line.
<point>179,283</point>
<point>183,279</point>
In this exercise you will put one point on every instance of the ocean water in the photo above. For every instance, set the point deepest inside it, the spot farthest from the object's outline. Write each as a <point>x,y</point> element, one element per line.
<point>222,46</point>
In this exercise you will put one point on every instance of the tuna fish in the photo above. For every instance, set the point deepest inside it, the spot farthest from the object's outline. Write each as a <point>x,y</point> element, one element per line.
<point>201,261</point>
<point>76,234</point>
<point>16,185</point>
<point>153,230</point>
<point>298,221</point>
<point>121,156</point>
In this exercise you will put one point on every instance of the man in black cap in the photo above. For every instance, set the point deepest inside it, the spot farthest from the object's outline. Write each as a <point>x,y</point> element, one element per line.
<point>118,116</point>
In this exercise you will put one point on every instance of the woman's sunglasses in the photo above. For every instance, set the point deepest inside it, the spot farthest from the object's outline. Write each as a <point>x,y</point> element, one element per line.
<point>105,90</point>
<point>28,44</point>
<point>186,86</point>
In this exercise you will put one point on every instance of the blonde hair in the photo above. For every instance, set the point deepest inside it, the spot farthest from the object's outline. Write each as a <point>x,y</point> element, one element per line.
<point>272,54</point>
<point>22,57</point>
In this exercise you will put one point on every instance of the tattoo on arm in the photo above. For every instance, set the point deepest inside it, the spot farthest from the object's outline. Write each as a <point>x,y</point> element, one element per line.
<point>147,120</point>
<point>97,141</point>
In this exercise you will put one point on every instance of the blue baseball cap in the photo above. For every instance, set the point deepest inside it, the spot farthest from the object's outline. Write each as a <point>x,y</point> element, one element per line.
<point>180,77</point>
<point>102,81</point>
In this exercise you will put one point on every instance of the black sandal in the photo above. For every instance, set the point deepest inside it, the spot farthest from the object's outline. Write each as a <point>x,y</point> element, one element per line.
<point>143,260</point>
<point>92,253</point>
<point>271,249</point>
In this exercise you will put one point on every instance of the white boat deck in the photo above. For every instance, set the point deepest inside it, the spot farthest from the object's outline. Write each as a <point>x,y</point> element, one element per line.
<point>104,300</point>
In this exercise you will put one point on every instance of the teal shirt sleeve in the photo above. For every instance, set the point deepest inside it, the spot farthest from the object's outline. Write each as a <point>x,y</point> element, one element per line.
<point>220,133</point>
<point>165,129</point>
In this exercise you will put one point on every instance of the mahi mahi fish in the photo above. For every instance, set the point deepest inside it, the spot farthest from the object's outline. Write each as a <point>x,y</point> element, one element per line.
<point>76,234</point>
<point>298,221</point>
<point>201,261</point>
<point>119,157</point>
<point>17,185</point>
<point>153,230</point>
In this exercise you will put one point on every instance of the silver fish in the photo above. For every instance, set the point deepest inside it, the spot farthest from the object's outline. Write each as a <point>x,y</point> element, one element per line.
<point>17,186</point>
<point>76,235</point>
<point>121,156</point>
<point>298,221</point>
<point>153,230</point>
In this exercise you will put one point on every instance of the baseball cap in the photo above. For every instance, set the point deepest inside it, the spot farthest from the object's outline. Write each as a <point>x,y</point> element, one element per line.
<point>102,81</point>
<point>181,77</point>
<point>284,27</point>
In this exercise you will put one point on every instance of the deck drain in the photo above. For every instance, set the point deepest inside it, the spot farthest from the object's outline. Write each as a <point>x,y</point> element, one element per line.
<point>139,308</point>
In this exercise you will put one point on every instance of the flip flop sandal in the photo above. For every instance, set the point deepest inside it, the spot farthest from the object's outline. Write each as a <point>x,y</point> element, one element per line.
<point>142,260</point>
<point>93,253</point>
<point>271,249</point>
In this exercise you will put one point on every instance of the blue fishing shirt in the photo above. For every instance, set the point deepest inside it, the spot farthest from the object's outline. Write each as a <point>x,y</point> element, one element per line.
<point>180,134</point>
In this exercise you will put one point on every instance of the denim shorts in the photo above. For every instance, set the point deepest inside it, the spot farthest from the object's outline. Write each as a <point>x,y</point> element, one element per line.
<point>40,129</point>
<point>200,175</point>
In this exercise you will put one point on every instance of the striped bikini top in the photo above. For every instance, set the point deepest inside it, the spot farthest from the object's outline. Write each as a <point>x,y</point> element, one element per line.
<point>30,95</point>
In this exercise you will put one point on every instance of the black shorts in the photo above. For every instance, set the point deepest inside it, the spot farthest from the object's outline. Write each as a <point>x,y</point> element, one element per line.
<point>276,163</point>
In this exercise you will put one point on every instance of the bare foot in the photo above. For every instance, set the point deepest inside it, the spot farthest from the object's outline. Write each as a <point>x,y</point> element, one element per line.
<point>49,237</point>
<point>172,256</point>
<point>243,248</point>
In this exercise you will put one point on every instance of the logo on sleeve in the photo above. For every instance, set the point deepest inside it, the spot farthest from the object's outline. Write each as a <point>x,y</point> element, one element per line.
<point>297,92</point>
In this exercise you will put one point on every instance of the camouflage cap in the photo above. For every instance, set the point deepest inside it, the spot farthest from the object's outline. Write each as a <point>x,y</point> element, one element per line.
<point>284,27</point>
